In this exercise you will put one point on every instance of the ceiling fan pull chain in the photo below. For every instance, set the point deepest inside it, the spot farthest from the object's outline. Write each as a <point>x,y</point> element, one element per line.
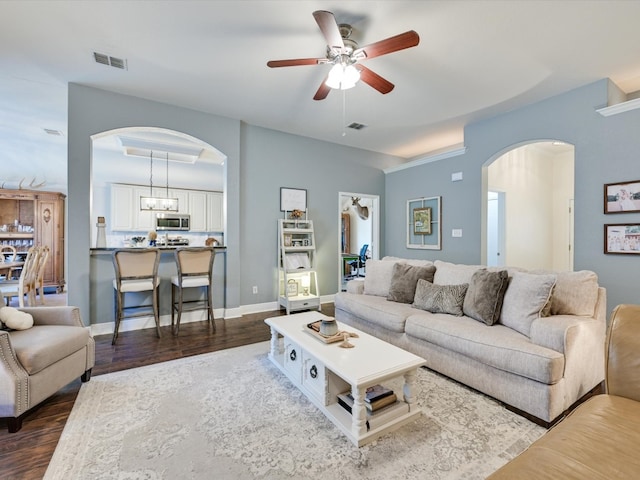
<point>344,113</point>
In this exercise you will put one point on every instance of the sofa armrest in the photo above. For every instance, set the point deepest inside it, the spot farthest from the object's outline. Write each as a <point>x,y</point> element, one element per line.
<point>355,286</point>
<point>622,366</point>
<point>14,380</point>
<point>69,316</point>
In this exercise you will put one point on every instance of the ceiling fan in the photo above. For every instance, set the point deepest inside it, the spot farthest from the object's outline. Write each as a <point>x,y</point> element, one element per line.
<point>345,56</point>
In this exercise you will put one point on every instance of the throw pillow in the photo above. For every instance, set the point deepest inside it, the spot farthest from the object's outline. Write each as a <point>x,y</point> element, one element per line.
<point>440,298</point>
<point>15,319</point>
<point>483,301</point>
<point>575,293</point>
<point>525,299</point>
<point>404,280</point>
<point>378,278</point>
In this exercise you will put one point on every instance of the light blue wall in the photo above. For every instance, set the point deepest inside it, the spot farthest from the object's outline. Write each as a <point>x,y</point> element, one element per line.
<point>606,151</point>
<point>259,162</point>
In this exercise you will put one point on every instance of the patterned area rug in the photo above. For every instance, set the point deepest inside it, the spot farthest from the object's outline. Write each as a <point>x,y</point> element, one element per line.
<point>233,415</point>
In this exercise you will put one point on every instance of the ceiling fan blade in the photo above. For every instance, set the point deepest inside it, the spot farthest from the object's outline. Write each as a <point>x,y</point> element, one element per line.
<point>329,28</point>
<point>323,91</point>
<point>392,44</point>
<point>295,62</point>
<point>374,80</point>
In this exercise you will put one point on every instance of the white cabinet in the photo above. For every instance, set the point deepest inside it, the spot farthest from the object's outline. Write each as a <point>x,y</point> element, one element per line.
<point>183,199</point>
<point>198,211</point>
<point>121,207</point>
<point>214,212</point>
<point>143,221</point>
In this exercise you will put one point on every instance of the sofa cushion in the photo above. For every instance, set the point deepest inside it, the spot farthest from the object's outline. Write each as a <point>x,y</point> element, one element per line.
<point>375,309</point>
<point>452,273</point>
<point>498,346</point>
<point>483,301</point>
<point>440,298</point>
<point>378,278</point>
<point>44,345</point>
<point>404,280</point>
<point>525,299</point>
<point>575,293</point>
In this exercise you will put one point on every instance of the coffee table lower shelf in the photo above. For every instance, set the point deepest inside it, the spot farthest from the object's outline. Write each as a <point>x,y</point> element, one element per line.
<point>306,362</point>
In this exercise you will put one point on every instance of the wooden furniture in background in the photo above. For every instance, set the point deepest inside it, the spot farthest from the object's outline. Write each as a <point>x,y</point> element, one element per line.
<point>30,217</point>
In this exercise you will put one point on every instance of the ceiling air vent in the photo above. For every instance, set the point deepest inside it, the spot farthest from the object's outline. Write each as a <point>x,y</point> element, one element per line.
<point>356,126</point>
<point>110,61</point>
<point>56,133</point>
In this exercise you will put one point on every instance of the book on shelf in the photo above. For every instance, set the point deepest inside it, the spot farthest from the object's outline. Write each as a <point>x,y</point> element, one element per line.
<point>346,400</point>
<point>379,417</point>
<point>377,392</point>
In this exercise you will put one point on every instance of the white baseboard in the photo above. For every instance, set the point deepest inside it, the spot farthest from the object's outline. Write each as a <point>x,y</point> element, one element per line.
<point>140,323</point>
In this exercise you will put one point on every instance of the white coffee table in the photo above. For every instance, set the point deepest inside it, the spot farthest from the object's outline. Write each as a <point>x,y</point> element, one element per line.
<point>322,371</point>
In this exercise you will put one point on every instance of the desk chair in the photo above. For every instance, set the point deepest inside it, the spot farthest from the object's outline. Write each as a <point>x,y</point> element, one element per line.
<point>361,261</point>
<point>136,271</point>
<point>195,270</point>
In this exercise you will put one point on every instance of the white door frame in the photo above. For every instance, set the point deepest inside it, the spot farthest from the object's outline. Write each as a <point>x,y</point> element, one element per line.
<point>375,228</point>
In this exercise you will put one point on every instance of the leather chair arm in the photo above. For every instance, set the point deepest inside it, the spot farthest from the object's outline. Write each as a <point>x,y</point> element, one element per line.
<point>622,352</point>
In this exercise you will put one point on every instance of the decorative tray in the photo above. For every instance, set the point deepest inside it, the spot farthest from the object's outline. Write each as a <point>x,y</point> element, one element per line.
<point>313,329</point>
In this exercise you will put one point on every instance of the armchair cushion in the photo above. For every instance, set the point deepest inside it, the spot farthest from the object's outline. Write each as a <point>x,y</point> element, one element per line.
<point>42,346</point>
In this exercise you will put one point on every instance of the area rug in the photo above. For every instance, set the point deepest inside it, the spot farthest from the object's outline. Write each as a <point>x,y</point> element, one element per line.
<point>233,415</point>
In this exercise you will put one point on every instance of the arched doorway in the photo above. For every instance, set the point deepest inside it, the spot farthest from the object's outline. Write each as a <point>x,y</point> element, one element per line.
<point>529,207</point>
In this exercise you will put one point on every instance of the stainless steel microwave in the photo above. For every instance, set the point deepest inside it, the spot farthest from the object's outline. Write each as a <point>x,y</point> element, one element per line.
<point>172,221</point>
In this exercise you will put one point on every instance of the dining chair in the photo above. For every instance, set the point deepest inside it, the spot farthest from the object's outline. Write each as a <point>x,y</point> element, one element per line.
<point>195,270</point>
<point>136,271</point>
<point>8,253</point>
<point>25,285</point>
<point>38,286</point>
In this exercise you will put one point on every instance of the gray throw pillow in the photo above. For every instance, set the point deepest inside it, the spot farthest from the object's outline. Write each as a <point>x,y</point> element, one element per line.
<point>440,298</point>
<point>404,280</point>
<point>483,301</point>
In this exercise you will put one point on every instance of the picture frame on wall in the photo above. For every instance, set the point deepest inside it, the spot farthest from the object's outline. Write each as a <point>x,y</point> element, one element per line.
<point>293,199</point>
<point>422,221</point>
<point>622,238</point>
<point>622,197</point>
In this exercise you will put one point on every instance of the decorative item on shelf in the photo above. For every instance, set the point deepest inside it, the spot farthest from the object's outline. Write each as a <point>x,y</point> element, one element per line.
<point>137,241</point>
<point>305,282</point>
<point>211,242</point>
<point>101,237</point>
<point>153,238</point>
<point>287,240</point>
<point>345,341</point>
<point>296,214</point>
<point>328,327</point>
<point>292,288</point>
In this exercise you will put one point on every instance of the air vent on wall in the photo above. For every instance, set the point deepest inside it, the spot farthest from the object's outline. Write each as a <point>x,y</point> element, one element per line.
<point>108,60</point>
<point>356,126</point>
<point>56,133</point>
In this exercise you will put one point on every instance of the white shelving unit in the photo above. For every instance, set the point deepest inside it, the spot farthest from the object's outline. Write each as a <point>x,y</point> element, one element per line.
<point>297,278</point>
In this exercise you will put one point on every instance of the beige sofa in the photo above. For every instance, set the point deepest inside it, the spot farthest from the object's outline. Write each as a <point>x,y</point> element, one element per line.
<point>601,438</point>
<point>543,352</point>
<point>37,362</point>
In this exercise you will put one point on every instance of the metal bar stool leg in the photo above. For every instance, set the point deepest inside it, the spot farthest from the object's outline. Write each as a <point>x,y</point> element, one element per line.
<point>210,307</point>
<point>156,311</point>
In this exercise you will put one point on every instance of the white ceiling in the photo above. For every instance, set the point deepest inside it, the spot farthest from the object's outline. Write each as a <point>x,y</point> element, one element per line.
<point>475,59</point>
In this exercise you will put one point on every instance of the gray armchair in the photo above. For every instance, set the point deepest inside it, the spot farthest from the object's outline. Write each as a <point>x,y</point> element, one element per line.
<point>36,363</point>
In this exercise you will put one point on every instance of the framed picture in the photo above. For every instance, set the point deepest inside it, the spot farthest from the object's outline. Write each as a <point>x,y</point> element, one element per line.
<point>622,197</point>
<point>422,221</point>
<point>293,199</point>
<point>623,238</point>
<point>287,240</point>
<point>292,288</point>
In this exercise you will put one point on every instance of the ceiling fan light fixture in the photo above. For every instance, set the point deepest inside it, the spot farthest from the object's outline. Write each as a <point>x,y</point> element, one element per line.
<point>343,77</point>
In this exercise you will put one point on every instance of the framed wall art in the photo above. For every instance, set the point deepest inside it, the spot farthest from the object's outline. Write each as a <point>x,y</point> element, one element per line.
<point>622,197</point>
<point>293,199</point>
<point>622,238</point>
<point>424,226</point>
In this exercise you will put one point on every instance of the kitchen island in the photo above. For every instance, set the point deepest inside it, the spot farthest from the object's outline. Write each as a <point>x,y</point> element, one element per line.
<point>102,293</point>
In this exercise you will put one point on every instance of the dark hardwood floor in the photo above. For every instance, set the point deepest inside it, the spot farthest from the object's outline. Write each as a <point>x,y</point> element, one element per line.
<point>25,455</point>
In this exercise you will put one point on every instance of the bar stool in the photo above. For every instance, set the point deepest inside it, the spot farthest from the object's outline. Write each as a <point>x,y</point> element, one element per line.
<point>136,271</point>
<point>195,270</point>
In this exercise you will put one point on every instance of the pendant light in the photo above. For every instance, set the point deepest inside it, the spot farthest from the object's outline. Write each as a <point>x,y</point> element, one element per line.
<point>158,204</point>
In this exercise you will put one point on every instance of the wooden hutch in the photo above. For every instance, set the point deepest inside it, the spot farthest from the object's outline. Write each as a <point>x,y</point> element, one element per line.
<point>28,218</point>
